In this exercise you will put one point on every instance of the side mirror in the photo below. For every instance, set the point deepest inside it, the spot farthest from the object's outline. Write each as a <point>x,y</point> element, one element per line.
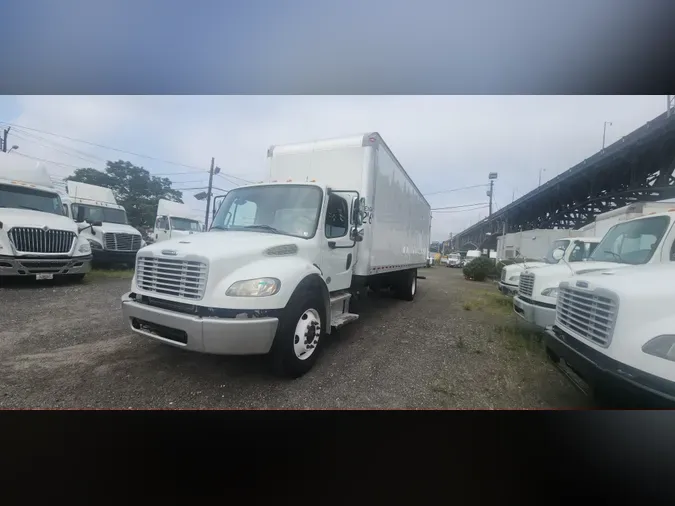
<point>80,214</point>
<point>357,235</point>
<point>356,211</point>
<point>558,254</point>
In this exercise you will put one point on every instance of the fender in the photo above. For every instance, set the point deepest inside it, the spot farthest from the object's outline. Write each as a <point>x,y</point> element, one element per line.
<point>314,281</point>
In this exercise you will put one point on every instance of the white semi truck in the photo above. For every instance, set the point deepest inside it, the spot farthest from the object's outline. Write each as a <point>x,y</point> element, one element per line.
<point>616,329</point>
<point>636,241</point>
<point>576,249</point>
<point>103,222</point>
<point>529,243</point>
<point>174,220</point>
<point>277,269</point>
<point>36,237</point>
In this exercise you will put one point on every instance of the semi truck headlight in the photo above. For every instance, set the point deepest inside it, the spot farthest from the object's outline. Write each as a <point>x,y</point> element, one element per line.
<point>662,347</point>
<point>94,244</point>
<point>84,247</point>
<point>550,292</point>
<point>514,278</point>
<point>261,287</point>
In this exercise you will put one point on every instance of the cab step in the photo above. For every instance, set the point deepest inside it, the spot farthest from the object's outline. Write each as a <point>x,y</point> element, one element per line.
<point>342,319</point>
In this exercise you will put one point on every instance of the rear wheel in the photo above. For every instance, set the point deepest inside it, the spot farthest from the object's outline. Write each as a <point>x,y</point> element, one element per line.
<point>299,336</point>
<point>406,287</point>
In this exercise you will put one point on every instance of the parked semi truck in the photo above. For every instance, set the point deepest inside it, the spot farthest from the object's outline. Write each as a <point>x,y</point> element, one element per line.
<point>529,243</point>
<point>642,240</point>
<point>576,249</point>
<point>174,220</point>
<point>103,222</point>
<point>282,260</point>
<point>36,237</point>
<point>616,329</point>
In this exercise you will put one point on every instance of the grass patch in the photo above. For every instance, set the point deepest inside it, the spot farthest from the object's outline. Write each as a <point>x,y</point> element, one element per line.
<point>494,303</point>
<point>518,338</point>
<point>96,274</point>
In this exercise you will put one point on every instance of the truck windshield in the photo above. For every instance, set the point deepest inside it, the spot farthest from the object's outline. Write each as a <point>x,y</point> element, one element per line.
<point>631,242</point>
<point>560,244</point>
<point>20,197</point>
<point>284,209</point>
<point>185,224</point>
<point>104,214</point>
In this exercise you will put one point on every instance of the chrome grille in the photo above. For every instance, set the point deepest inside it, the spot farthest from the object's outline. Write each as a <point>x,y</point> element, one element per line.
<point>589,315</point>
<point>38,240</point>
<point>526,284</point>
<point>168,276</point>
<point>122,242</point>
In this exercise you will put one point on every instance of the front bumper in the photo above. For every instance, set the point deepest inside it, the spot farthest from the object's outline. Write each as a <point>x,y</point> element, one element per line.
<point>596,369</point>
<point>507,289</point>
<point>112,256</point>
<point>535,313</point>
<point>218,336</point>
<point>32,265</point>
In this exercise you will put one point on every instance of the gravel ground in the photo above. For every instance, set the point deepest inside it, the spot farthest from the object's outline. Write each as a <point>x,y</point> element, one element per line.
<point>455,346</point>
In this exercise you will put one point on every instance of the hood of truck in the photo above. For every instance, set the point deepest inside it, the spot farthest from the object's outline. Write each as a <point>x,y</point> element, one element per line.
<point>652,280</point>
<point>114,228</point>
<point>11,217</point>
<point>220,245</point>
<point>519,268</point>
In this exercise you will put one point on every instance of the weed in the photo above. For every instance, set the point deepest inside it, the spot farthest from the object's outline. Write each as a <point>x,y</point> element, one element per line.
<point>467,306</point>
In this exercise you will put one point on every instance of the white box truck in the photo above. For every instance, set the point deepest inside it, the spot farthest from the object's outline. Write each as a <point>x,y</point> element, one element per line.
<point>174,220</point>
<point>576,249</point>
<point>103,222</point>
<point>616,329</point>
<point>36,237</point>
<point>635,241</point>
<point>277,269</point>
<point>533,244</point>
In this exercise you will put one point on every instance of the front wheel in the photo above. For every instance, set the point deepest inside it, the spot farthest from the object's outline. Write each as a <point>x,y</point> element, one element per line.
<point>298,338</point>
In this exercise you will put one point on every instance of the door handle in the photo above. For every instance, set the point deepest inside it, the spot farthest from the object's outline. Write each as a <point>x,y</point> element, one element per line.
<point>332,244</point>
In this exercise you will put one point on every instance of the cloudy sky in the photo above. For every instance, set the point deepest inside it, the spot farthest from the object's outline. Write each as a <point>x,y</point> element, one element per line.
<point>444,142</point>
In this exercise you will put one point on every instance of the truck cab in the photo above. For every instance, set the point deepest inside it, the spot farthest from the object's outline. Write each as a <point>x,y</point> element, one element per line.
<point>575,249</point>
<point>618,328</point>
<point>36,237</point>
<point>103,222</point>
<point>174,220</point>
<point>454,260</point>
<point>643,240</point>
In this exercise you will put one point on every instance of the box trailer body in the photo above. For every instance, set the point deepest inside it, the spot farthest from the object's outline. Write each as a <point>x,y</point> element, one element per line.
<point>283,258</point>
<point>104,223</point>
<point>532,244</point>
<point>173,220</point>
<point>37,238</point>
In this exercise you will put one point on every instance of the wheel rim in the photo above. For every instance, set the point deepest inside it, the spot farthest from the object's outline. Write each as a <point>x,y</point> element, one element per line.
<point>307,334</point>
<point>414,286</point>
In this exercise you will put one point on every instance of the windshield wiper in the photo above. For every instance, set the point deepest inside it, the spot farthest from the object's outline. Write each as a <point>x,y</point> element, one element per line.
<point>616,255</point>
<point>262,227</point>
<point>218,227</point>
<point>31,208</point>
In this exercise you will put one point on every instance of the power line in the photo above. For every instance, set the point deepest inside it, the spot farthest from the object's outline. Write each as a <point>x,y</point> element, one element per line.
<point>462,210</point>
<point>456,189</point>
<point>103,146</point>
<point>461,205</point>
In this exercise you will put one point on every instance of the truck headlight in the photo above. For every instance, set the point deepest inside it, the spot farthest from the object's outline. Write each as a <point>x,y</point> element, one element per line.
<point>84,248</point>
<point>661,346</point>
<point>94,244</point>
<point>514,278</point>
<point>260,287</point>
<point>550,292</point>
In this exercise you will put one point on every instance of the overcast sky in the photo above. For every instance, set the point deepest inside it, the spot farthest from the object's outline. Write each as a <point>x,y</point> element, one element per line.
<point>444,142</point>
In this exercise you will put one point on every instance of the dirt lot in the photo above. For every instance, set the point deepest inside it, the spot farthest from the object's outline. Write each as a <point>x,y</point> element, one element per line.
<point>456,346</point>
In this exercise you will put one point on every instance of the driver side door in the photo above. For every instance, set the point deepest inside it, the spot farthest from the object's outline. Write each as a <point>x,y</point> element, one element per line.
<point>162,232</point>
<point>339,250</point>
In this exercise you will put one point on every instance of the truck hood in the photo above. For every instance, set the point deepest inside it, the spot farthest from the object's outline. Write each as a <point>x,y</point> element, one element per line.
<point>114,228</point>
<point>640,280</point>
<point>562,271</point>
<point>519,268</point>
<point>11,217</point>
<point>218,245</point>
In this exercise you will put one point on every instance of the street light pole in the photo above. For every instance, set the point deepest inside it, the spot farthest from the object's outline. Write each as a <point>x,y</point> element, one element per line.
<point>604,132</point>
<point>540,171</point>
<point>492,176</point>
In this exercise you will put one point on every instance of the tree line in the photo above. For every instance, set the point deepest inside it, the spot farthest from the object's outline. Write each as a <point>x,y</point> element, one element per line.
<point>134,188</point>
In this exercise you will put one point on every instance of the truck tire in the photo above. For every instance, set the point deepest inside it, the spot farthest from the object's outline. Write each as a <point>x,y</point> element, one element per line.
<point>298,340</point>
<point>406,287</point>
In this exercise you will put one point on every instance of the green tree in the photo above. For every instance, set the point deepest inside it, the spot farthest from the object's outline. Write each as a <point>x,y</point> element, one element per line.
<point>134,188</point>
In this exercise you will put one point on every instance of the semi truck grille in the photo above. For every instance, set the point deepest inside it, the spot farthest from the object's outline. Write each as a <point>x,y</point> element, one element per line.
<point>589,315</point>
<point>526,284</point>
<point>38,240</point>
<point>122,242</point>
<point>178,278</point>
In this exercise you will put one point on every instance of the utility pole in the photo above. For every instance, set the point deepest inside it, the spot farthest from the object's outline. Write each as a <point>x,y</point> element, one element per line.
<point>669,105</point>
<point>212,171</point>
<point>540,171</point>
<point>604,132</point>
<point>492,176</point>
<point>4,139</point>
